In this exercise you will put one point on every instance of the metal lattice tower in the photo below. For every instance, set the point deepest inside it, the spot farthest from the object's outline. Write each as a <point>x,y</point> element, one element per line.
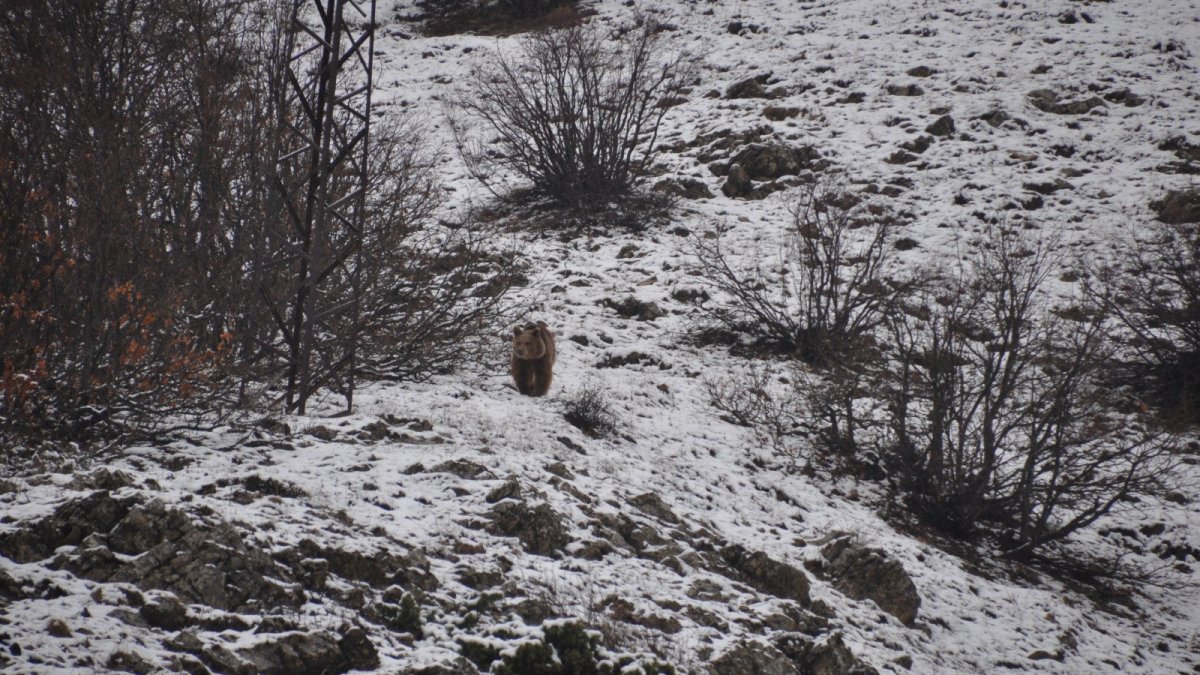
<point>324,113</point>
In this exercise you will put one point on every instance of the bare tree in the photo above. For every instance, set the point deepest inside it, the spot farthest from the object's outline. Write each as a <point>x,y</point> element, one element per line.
<point>828,290</point>
<point>576,112</point>
<point>999,409</point>
<point>1153,290</point>
<point>119,133</point>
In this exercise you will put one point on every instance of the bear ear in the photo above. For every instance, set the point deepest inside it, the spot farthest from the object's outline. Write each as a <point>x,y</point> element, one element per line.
<point>516,330</point>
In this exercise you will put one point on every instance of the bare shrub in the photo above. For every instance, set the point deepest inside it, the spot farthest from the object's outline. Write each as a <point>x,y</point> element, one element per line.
<point>430,295</point>
<point>754,397</point>
<point>575,113</point>
<point>141,242</point>
<point>1153,290</point>
<point>449,17</point>
<point>129,139</point>
<point>999,409</point>
<point>812,420</point>
<point>589,410</point>
<point>828,290</point>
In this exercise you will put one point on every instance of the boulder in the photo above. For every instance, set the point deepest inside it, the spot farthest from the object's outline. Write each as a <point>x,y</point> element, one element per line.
<point>165,612</point>
<point>687,188</point>
<point>1178,207</point>
<point>754,657</point>
<point>539,528</point>
<point>831,656</point>
<point>1049,101</point>
<point>751,87</point>
<point>768,161</point>
<point>98,512</point>
<point>942,127</point>
<point>737,184</point>
<point>869,574</point>
<point>766,574</point>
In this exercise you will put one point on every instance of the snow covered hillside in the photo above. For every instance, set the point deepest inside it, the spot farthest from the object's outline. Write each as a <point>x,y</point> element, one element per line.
<point>444,525</point>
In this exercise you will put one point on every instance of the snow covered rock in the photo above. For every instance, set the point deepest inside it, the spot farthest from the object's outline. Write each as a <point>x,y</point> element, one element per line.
<point>869,573</point>
<point>754,657</point>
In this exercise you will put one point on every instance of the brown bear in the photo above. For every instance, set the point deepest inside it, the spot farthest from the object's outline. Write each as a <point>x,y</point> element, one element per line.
<point>533,358</point>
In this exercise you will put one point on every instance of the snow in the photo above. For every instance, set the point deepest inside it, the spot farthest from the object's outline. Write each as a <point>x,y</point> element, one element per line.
<point>975,618</point>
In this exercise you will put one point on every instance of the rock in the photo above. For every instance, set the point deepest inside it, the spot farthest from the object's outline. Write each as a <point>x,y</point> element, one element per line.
<point>314,653</point>
<point>632,308</point>
<point>755,658</point>
<point>687,188</point>
<point>868,573</point>
<point>1049,101</point>
<point>1049,187</point>
<point>777,113</point>
<point>165,612</point>
<point>378,569</point>
<point>101,479</point>
<point>145,526</point>
<point>832,657</point>
<point>942,126</point>
<point>995,117</point>
<point>737,185</point>
<point>457,666</point>
<point>652,504</point>
<point>208,565</point>
<point>901,157</point>
<point>751,87</point>
<point>129,662</point>
<point>68,526</point>
<point>1178,207</point>
<point>905,90</point>
<point>921,71</point>
<point>918,145</point>
<point>509,489</point>
<point>768,161</point>
<point>539,528</point>
<point>1125,98</point>
<point>58,628</point>
<point>321,433</point>
<point>622,610</point>
<point>768,575</point>
<point>199,562</point>
<point>465,469</point>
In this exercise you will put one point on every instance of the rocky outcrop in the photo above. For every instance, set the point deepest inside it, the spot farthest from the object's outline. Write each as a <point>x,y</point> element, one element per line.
<point>1049,101</point>
<point>768,161</point>
<point>687,188</point>
<point>1178,207</point>
<point>869,574</point>
<point>768,575</point>
<point>754,657</point>
<point>539,528</point>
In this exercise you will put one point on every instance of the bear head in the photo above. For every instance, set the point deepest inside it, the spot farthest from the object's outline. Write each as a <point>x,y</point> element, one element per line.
<point>528,343</point>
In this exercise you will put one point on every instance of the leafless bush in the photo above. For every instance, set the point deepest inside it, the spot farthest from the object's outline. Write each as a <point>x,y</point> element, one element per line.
<point>589,410</point>
<point>447,17</point>
<point>140,240</point>
<point>1153,290</point>
<point>129,138</point>
<point>827,291</point>
<point>576,112</point>
<point>430,296</point>
<point>820,420</point>
<point>999,409</point>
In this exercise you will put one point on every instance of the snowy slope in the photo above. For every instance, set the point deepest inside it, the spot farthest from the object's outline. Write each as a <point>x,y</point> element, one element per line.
<point>356,493</point>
